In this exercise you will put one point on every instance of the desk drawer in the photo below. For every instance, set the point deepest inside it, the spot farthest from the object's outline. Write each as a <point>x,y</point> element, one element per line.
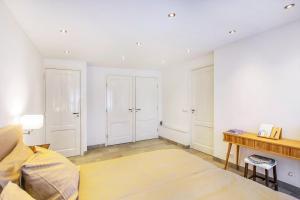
<point>278,149</point>
<point>295,153</point>
<point>248,143</point>
<point>262,146</point>
<point>282,150</point>
<point>239,140</point>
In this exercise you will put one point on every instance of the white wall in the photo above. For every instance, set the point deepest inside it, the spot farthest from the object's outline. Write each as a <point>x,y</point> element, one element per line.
<point>21,75</point>
<point>82,67</point>
<point>257,81</point>
<point>96,95</point>
<point>176,99</point>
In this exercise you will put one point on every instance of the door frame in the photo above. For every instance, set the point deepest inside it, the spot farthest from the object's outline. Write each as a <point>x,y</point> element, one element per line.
<point>75,66</point>
<point>191,103</point>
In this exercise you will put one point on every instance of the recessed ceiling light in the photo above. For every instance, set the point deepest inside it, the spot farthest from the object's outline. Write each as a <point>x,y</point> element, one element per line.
<point>232,32</point>
<point>139,44</point>
<point>64,31</point>
<point>67,52</point>
<point>171,15</point>
<point>289,6</point>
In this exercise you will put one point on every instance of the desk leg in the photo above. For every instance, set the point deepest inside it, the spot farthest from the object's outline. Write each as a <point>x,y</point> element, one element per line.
<point>228,154</point>
<point>237,156</point>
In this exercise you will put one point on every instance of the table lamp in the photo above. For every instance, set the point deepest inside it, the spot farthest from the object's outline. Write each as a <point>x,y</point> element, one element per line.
<point>32,122</point>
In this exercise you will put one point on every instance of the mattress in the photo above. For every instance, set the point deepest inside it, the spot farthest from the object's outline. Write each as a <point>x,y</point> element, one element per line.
<point>166,175</point>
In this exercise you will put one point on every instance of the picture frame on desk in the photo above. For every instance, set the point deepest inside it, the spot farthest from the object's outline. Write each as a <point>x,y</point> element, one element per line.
<point>269,131</point>
<point>265,130</point>
<point>276,134</point>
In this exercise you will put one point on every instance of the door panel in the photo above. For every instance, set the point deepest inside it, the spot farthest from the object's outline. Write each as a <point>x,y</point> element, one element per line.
<point>63,111</point>
<point>119,115</point>
<point>202,105</point>
<point>146,108</point>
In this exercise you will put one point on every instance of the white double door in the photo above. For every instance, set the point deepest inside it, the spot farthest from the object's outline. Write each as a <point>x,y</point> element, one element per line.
<point>202,109</point>
<point>63,111</point>
<point>132,109</point>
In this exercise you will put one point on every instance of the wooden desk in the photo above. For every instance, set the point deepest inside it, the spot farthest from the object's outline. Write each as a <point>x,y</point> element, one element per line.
<point>282,147</point>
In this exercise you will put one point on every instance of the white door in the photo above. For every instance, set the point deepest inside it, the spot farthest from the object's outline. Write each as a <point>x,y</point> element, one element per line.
<point>146,108</point>
<point>63,111</point>
<point>202,109</point>
<point>119,109</point>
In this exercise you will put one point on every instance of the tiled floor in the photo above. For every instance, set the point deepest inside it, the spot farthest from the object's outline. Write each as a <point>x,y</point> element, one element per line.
<point>116,151</point>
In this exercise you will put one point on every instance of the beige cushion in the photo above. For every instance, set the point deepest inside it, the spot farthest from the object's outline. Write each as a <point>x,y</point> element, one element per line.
<point>10,166</point>
<point>49,175</point>
<point>13,192</point>
<point>9,137</point>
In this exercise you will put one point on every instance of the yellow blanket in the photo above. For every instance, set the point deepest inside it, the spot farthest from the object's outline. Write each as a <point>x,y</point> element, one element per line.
<point>166,175</point>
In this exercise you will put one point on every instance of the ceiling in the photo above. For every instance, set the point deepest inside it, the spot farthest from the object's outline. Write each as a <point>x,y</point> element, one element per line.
<point>104,32</point>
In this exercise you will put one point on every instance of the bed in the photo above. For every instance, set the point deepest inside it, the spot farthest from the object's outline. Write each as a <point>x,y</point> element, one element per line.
<point>158,175</point>
<point>166,175</point>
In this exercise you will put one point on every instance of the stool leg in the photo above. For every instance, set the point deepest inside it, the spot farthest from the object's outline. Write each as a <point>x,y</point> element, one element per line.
<point>267,177</point>
<point>275,178</point>
<point>254,173</point>
<point>246,170</point>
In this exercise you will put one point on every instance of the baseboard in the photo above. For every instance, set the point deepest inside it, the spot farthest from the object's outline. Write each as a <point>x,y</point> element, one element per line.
<point>173,142</point>
<point>281,184</point>
<point>95,146</point>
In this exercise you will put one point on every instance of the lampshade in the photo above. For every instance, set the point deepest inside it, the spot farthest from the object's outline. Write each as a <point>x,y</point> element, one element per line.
<point>32,122</point>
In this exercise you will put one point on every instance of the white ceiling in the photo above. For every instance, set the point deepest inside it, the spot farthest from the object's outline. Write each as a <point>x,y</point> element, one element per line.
<point>101,32</point>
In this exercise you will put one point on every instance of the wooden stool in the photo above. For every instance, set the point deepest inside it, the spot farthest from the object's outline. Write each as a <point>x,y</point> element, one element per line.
<point>266,166</point>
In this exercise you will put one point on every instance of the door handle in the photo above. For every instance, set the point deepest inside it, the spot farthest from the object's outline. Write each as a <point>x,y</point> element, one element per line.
<point>193,110</point>
<point>137,109</point>
<point>76,113</point>
<point>130,109</point>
